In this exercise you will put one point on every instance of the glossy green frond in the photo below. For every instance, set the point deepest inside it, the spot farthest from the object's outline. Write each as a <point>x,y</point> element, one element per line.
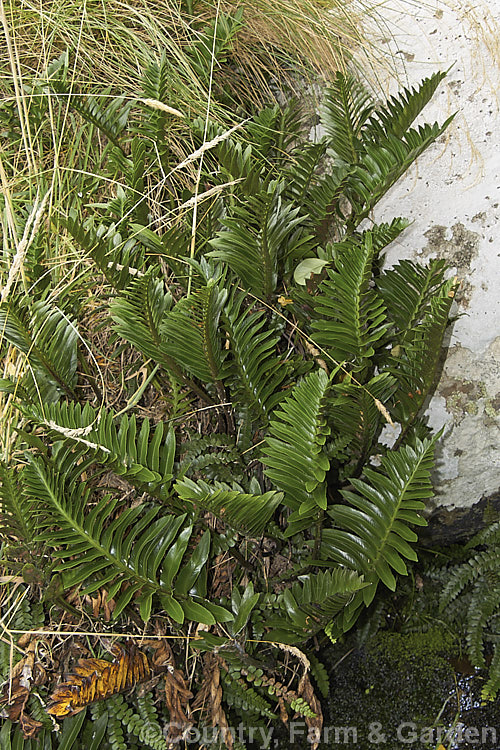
<point>294,454</point>
<point>246,512</point>
<point>47,337</point>
<point>347,105</point>
<point>414,363</point>
<point>351,318</point>
<point>137,314</point>
<point>191,335</point>
<point>256,237</point>
<point>374,528</point>
<point>144,456</point>
<point>312,602</point>
<point>16,509</point>
<point>136,553</point>
<point>399,111</point>
<point>255,369</point>
<point>383,163</point>
<point>355,419</point>
<point>407,290</point>
<point>119,259</point>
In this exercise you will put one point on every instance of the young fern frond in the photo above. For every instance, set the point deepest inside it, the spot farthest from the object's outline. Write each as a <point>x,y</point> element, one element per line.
<point>351,318</point>
<point>294,454</point>
<point>374,528</point>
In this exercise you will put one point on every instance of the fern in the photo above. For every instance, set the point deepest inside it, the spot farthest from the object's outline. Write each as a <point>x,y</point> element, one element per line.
<point>399,112</point>
<point>373,533</point>
<point>312,602</point>
<point>138,548</point>
<point>256,237</point>
<point>257,374</point>
<point>245,512</point>
<point>16,510</point>
<point>294,453</point>
<point>238,694</point>
<point>191,335</point>
<point>480,575</point>
<point>94,436</point>
<point>47,338</point>
<point>353,316</point>
<point>346,108</point>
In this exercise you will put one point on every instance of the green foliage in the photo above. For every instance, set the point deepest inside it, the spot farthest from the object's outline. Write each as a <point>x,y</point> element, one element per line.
<point>231,499</point>
<point>480,576</point>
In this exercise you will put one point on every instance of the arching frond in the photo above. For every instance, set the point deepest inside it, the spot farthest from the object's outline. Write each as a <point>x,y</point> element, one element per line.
<point>294,454</point>
<point>373,531</point>
<point>351,317</point>
<point>47,338</point>
<point>136,553</point>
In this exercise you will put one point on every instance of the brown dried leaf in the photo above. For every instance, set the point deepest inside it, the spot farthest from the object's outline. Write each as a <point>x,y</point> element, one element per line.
<point>97,679</point>
<point>177,695</point>
<point>14,697</point>
<point>209,698</point>
<point>314,723</point>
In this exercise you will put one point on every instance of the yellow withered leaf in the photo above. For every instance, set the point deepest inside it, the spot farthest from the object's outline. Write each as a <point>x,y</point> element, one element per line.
<point>97,679</point>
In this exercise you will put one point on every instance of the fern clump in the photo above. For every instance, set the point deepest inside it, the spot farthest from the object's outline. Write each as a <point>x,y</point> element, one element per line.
<point>238,499</point>
<point>479,578</point>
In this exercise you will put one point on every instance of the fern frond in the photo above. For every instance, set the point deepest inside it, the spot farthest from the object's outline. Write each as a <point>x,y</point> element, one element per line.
<point>294,456</point>
<point>135,553</point>
<point>346,107</point>
<point>137,314</point>
<point>191,335</point>
<point>484,602</point>
<point>117,258</point>
<point>16,510</point>
<point>351,318</point>
<point>256,237</point>
<point>47,337</point>
<point>311,602</point>
<point>144,457</point>
<point>108,113</point>
<point>246,512</point>
<point>399,112</point>
<point>415,363</point>
<point>256,372</point>
<point>373,530</point>
<point>407,290</point>
<point>492,686</point>
<point>355,419</point>
<point>237,693</point>
<point>382,164</point>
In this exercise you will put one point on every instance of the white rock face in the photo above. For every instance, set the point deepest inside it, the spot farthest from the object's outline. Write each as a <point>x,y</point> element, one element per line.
<point>452,195</point>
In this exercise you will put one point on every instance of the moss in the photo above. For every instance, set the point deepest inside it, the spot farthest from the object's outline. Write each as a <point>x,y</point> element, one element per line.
<point>395,678</point>
<point>398,649</point>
